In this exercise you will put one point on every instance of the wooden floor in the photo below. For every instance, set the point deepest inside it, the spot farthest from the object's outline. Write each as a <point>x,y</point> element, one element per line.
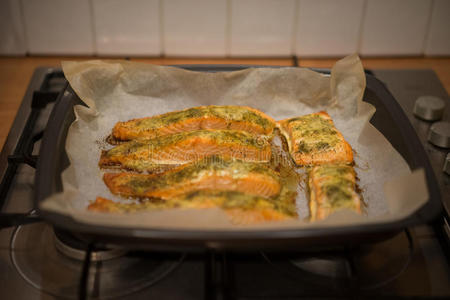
<point>15,73</point>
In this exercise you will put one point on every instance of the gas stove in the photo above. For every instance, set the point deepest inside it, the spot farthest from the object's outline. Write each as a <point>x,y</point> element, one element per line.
<point>38,261</point>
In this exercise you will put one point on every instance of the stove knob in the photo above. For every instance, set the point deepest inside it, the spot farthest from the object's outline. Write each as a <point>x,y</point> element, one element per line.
<point>447,164</point>
<point>439,134</point>
<point>429,108</point>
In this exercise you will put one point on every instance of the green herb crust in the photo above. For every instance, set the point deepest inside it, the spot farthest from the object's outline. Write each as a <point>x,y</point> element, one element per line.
<point>207,198</point>
<point>171,150</point>
<point>337,186</point>
<point>314,133</point>
<point>194,171</point>
<point>229,113</point>
<point>216,136</point>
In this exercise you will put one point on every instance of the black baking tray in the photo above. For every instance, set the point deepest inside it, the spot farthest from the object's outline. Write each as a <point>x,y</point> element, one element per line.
<point>389,119</point>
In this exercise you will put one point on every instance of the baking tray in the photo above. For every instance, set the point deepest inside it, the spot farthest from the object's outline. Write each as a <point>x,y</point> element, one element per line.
<point>389,119</point>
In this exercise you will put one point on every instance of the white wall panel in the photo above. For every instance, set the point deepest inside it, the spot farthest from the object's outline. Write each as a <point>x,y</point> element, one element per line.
<point>395,27</point>
<point>12,39</point>
<point>58,26</point>
<point>194,28</point>
<point>262,27</point>
<point>225,27</point>
<point>328,27</point>
<point>127,27</point>
<point>438,41</point>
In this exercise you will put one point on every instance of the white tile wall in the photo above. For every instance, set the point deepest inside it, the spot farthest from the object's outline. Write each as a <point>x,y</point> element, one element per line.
<point>58,26</point>
<point>262,27</point>
<point>194,28</point>
<point>438,41</point>
<point>328,27</point>
<point>395,27</point>
<point>127,27</point>
<point>225,27</point>
<point>12,39</point>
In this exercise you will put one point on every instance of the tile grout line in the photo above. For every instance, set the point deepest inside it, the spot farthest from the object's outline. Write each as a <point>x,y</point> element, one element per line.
<point>361,27</point>
<point>93,30</point>
<point>228,29</point>
<point>24,28</point>
<point>162,39</point>
<point>428,28</point>
<point>295,29</point>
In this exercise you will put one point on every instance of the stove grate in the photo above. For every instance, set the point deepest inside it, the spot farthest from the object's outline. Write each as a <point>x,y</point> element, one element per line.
<point>48,92</point>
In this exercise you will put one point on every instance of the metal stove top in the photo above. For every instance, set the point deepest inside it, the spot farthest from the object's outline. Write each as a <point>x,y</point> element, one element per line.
<point>34,265</point>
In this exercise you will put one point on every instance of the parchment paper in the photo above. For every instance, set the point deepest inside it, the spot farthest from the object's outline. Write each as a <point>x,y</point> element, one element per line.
<point>122,90</point>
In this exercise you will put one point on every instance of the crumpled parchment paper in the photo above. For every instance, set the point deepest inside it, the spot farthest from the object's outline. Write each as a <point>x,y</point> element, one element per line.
<point>122,90</point>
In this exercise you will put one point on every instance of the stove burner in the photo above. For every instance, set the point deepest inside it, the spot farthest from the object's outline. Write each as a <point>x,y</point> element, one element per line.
<point>74,248</point>
<point>36,258</point>
<point>331,271</point>
<point>363,268</point>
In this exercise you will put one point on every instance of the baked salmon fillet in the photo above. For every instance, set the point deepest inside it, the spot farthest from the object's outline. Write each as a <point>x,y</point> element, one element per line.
<point>332,187</point>
<point>313,140</point>
<point>241,208</point>
<point>211,173</point>
<point>231,117</point>
<point>164,152</point>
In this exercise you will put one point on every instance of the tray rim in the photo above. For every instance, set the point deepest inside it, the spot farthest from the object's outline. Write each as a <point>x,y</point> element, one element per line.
<point>222,238</point>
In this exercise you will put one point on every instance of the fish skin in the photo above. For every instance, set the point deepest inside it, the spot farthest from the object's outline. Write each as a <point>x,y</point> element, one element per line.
<point>231,117</point>
<point>214,173</point>
<point>164,152</point>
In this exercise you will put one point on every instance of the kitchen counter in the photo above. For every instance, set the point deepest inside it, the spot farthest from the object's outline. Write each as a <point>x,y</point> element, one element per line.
<point>15,73</point>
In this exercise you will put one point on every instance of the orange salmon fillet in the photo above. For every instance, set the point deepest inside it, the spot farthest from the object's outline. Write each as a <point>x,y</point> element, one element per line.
<point>231,117</point>
<point>241,208</point>
<point>212,173</point>
<point>332,187</point>
<point>313,140</point>
<point>172,150</point>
